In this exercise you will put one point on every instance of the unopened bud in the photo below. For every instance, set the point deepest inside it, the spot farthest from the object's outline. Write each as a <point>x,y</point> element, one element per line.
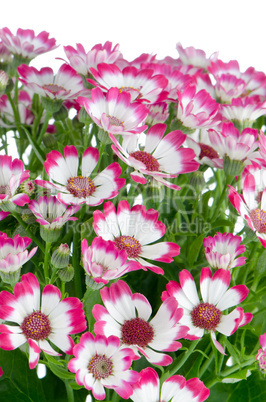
<point>66,274</point>
<point>60,257</point>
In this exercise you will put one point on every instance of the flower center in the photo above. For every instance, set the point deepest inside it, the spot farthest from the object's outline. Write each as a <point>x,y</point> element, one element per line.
<point>36,326</point>
<point>206,316</point>
<point>80,187</point>
<point>137,332</point>
<point>115,121</point>
<point>100,366</point>
<point>5,190</point>
<point>149,161</point>
<point>53,88</point>
<point>206,150</point>
<point>129,244</point>
<point>258,217</point>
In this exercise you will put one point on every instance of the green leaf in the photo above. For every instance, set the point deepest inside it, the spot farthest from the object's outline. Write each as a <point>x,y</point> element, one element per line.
<point>38,151</point>
<point>194,249</point>
<point>60,372</point>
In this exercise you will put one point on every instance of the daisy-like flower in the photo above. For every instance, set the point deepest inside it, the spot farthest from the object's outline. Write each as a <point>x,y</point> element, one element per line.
<point>244,110</point>
<point>251,205</point>
<point>79,189</point>
<point>26,44</point>
<point>103,261</point>
<point>162,156</point>
<point>13,255</point>
<point>100,363</point>
<point>26,116</point>
<point>207,315</point>
<point>114,112</point>
<point>66,84</point>
<point>142,84</point>
<point>5,56</point>
<point>51,213</point>
<point>127,316</point>
<point>36,324</point>
<point>133,230</point>
<point>174,389</point>
<point>228,87</point>
<point>82,61</point>
<point>197,109</point>
<point>222,249</point>
<point>195,57</point>
<point>12,174</point>
<point>261,356</point>
<point>158,113</point>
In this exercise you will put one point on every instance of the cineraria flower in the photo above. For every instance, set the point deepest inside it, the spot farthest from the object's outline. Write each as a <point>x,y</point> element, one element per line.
<point>114,112</point>
<point>5,56</point>
<point>222,249</point>
<point>216,297</point>
<point>158,113</point>
<point>100,363</point>
<point>36,324</point>
<point>142,84</point>
<point>133,230</point>
<point>12,174</point>
<point>79,189</point>
<point>160,158</point>
<point>13,255</point>
<point>195,57</point>
<point>82,61</point>
<point>103,261</point>
<point>244,110</point>
<point>174,389</point>
<point>127,316</point>
<point>228,87</point>
<point>261,356</point>
<point>66,84</point>
<point>26,44</point>
<point>51,213</point>
<point>251,205</point>
<point>197,109</point>
<point>24,109</point>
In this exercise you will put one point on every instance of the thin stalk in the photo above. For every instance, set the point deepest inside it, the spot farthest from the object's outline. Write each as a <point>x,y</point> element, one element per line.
<point>46,261</point>
<point>28,231</point>
<point>184,358</point>
<point>76,263</point>
<point>69,391</point>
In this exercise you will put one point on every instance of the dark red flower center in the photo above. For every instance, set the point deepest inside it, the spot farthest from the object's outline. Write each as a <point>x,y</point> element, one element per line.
<point>137,332</point>
<point>149,161</point>
<point>206,316</point>
<point>206,150</point>
<point>80,187</point>
<point>258,218</point>
<point>53,88</point>
<point>131,246</point>
<point>115,121</point>
<point>36,326</point>
<point>100,366</point>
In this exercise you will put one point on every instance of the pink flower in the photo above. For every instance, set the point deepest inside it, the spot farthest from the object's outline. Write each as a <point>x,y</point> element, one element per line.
<point>133,230</point>
<point>24,109</point>
<point>37,324</point>
<point>78,189</point>
<point>103,261</point>
<point>158,113</point>
<point>216,297</point>
<point>82,61</point>
<point>142,84</point>
<point>127,316</point>
<point>261,356</point>
<point>228,87</point>
<point>244,110</point>
<point>162,156</point>
<point>66,84</point>
<point>174,389</point>
<point>222,249</point>
<point>26,44</point>
<point>195,57</point>
<point>114,112</point>
<point>12,174</point>
<point>100,363</point>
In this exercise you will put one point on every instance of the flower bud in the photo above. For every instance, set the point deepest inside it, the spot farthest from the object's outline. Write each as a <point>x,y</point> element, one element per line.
<point>66,274</point>
<point>60,257</point>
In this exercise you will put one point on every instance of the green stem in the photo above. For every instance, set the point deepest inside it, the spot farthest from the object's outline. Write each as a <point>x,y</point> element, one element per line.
<point>44,127</point>
<point>69,391</point>
<point>76,263</point>
<point>46,261</point>
<point>28,231</point>
<point>184,358</point>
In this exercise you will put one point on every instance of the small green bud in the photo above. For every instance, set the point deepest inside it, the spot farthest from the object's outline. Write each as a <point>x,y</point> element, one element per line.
<point>66,274</point>
<point>60,257</point>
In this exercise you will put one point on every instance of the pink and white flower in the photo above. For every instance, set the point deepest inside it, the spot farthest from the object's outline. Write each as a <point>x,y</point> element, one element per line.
<point>197,109</point>
<point>222,249</point>
<point>24,109</point>
<point>133,230</point>
<point>114,112</point>
<point>228,87</point>
<point>162,156</point>
<point>244,110</point>
<point>52,213</point>
<point>261,356</point>
<point>78,189</point>
<point>174,389</point>
<point>127,316</point>
<point>12,174</point>
<point>158,113</point>
<point>251,205</point>
<point>66,84</point>
<point>195,57</point>
<point>216,297</point>
<point>37,323</point>
<point>142,84</point>
<point>103,261</point>
<point>13,253</point>
<point>26,44</point>
<point>82,61</point>
<point>100,363</point>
